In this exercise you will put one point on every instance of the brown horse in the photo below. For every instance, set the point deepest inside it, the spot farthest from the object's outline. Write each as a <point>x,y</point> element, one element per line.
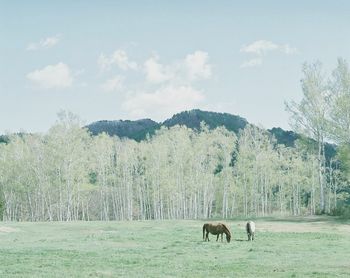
<point>216,229</point>
<point>250,228</point>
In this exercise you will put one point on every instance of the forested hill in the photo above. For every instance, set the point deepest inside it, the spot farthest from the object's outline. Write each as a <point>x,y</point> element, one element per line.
<point>136,130</point>
<point>192,119</point>
<point>139,129</point>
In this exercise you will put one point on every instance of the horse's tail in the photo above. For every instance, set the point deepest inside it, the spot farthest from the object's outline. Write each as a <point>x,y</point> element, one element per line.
<point>204,228</point>
<point>247,227</point>
<point>250,227</point>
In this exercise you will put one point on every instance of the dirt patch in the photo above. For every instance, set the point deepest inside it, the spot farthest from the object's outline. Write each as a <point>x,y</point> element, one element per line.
<point>4,229</point>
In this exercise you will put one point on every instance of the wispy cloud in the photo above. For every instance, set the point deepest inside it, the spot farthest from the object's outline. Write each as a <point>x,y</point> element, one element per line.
<point>193,67</point>
<point>165,88</point>
<point>118,58</point>
<point>44,43</point>
<point>260,48</point>
<point>289,49</point>
<point>155,71</point>
<point>52,77</point>
<point>252,63</point>
<point>113,84</point>
<point>197,65</point>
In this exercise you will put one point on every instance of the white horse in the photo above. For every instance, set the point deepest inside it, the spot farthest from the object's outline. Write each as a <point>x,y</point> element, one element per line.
<point>250,228</point>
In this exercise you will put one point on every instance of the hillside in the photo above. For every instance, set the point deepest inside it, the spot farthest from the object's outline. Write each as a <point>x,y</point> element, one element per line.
<point>136,130</point>
<point>193,118</point>
<point>139,129</point>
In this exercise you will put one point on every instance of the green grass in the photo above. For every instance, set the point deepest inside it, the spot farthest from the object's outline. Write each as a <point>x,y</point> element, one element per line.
<point>303,247</point>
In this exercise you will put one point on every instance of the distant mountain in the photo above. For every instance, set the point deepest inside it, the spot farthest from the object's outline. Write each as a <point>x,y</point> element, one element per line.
<point>288,139</point>
<point>139,129</point>
<point>136,130</point>
<point>193,118</point>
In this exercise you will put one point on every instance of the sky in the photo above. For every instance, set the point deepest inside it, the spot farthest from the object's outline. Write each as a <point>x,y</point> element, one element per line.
<point>110,60</point>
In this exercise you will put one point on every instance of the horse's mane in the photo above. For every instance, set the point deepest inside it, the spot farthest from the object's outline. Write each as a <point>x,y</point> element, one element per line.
<point>226,229</point>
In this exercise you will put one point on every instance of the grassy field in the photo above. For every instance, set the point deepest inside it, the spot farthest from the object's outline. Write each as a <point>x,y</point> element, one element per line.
<point>292,247</point>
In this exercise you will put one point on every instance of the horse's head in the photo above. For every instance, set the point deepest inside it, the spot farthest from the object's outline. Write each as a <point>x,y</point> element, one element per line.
<point>228,237</point>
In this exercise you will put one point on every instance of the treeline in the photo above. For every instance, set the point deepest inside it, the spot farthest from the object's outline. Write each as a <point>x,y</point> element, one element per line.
<point>179,173</point>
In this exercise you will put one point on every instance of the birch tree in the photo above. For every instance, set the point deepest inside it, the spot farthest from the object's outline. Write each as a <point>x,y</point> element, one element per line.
<point>309,116</point>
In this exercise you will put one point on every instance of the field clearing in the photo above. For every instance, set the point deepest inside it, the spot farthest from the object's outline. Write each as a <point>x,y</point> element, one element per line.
<point>291,247</point>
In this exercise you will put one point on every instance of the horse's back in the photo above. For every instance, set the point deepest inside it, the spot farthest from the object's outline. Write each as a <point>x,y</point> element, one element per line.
<point>214,228</point>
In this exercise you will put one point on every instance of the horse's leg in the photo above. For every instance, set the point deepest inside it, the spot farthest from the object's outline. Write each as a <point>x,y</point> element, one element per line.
<point>217,237</point>
<point>221,237</point>
<point>252,236</point>
<point>207,236</point>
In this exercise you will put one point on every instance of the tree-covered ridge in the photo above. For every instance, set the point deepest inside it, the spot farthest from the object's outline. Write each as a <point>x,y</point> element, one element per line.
<point>194,118</point>
<point>289,138</point>
<point>136,130</point>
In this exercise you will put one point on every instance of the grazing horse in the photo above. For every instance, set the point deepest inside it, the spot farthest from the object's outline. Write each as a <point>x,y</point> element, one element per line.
<point>250,228</point>
<point>216,229</point>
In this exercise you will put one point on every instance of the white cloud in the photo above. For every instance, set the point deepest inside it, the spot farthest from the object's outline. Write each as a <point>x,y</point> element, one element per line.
<point>52,76</point>
<point>119,58</point>
<point>259,47</point>
<point>44,43</point>
<point>156,72</point>
<point>113,84</point>
<point>162,103</point>
<point>193,67</point>
<point>197,65</point>
<point>252,63</point>
<point>289,50</point>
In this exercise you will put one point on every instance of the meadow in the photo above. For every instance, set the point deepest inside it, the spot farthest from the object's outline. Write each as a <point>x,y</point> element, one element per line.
<point>288,247</point>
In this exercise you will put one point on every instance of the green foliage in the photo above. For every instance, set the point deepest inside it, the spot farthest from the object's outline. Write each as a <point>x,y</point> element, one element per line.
<point>342,210</point>
<point>284,137</point>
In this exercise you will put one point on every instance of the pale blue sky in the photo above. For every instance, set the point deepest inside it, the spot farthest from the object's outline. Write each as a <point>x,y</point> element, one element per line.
<point>150,59</point>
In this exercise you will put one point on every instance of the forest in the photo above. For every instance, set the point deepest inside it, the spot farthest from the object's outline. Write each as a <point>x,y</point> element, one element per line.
<point>182,173</point>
